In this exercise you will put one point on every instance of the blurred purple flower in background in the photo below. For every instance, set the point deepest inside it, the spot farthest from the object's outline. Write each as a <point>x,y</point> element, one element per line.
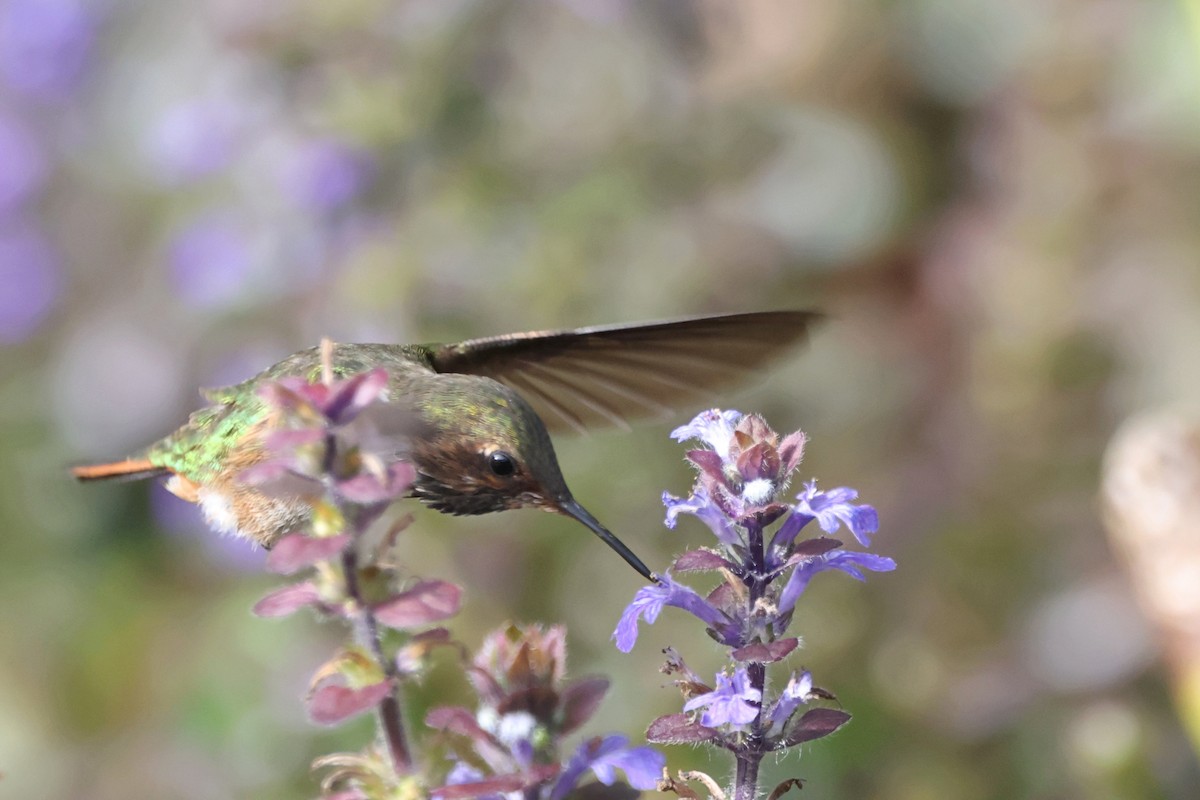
<point>210,261</point>
<point>195,138</point>
<point>22,165</point>
<point>31,277</point>
<point>45,45</point>
<point>325,175</point>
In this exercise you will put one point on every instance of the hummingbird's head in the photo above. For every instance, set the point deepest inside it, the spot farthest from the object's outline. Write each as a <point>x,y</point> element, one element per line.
<point>482,448</point>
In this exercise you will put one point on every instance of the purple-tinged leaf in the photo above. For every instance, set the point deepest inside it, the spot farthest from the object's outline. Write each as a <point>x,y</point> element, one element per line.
<point>766,652</point>
<point>678,729</point>
<point>296,551</point>
<point>709,463</point>
<point>428,601</point>
<point>499,784</point>
<point>760,461</point>
<point>349,397</point>
<point>791,451</point>
<point>456,719</point>
<point>814,724</point>
<point>287,600</point>
<point>580,701</point>
<point>367,487</point>
<point>331,702</point>
<point>813,547</point>
<point>702,560</point>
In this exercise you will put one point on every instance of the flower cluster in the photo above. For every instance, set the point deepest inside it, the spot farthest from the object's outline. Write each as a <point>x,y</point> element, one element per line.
<point>743,473</point>
<point>511,743</point>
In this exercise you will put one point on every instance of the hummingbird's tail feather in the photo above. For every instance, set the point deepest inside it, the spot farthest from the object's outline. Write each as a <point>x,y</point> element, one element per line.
<point>131,469</point>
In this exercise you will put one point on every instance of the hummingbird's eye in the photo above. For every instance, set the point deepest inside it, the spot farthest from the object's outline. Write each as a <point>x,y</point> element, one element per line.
<point>502,463</point>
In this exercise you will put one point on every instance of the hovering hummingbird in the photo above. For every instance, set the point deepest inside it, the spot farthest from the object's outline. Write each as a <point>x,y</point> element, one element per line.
<point>484,408</point>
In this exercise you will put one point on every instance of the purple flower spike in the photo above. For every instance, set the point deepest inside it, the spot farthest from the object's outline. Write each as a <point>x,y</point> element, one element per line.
<point>713,427</point>
<point>734,702</point>
<point>833,509</point>
<point>844,560</point>
<point>649,602</point>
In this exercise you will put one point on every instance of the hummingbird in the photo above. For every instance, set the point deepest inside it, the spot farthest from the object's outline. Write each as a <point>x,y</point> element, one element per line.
<point>484,410</point>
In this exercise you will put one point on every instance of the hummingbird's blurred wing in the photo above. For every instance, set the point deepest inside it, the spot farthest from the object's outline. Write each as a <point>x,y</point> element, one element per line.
<point>606,375</point>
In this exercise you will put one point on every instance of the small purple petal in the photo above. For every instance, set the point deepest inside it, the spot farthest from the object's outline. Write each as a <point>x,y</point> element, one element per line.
<point>642,765</point>
<point>296,551</point>
<point>331,703</point>
<point>701,506</point>
<point>734,702</point>
<point>649,602</point>
<point>844,560</point>
<point>796,692</point>
<point>832,509</point>
<point>287,600</point>
<point>713,427</point>
<point>427,602</point>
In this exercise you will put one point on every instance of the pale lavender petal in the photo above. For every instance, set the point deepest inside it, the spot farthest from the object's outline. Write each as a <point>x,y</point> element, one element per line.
<point>713,427</point>
<point>734,702</point>
<point>649,602</point>
<point>834,508</point>
<point>701,506</point>
<point>844,560</point>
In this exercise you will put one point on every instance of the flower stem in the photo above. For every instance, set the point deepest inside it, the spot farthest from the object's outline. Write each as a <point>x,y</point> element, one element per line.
<point>391,719</point>
<point>750,754</point>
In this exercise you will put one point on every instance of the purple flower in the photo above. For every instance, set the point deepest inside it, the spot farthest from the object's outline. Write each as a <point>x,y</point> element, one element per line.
<point>798,691</point>
<point>713,427</point>
<point>22,165</point>
<point>211,260</point>
<point>31,277</point>
<point>328,174</point>
<point>649,602</point>
<point>844,560</point>
<point>194,139</point>
<point>603,756</point>
<point>702,506</point>
<point>832,509</point>
<point>45,45</point>
<point>734,702</point>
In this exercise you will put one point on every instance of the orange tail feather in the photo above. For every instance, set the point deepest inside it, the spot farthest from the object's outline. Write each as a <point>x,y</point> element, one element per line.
<point>131,469</point>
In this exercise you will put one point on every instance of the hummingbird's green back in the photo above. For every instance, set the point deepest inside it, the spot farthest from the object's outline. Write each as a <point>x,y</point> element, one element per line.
<point>202,448</point>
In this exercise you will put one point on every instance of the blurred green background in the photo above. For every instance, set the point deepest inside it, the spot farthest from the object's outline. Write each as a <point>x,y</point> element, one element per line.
<point>998,201</point>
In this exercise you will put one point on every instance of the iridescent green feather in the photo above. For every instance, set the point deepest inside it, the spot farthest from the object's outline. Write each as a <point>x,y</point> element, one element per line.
<point>200,448</point>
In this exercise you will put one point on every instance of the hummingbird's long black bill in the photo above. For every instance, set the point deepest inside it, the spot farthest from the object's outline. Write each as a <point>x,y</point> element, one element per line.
<point>571,508</point>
